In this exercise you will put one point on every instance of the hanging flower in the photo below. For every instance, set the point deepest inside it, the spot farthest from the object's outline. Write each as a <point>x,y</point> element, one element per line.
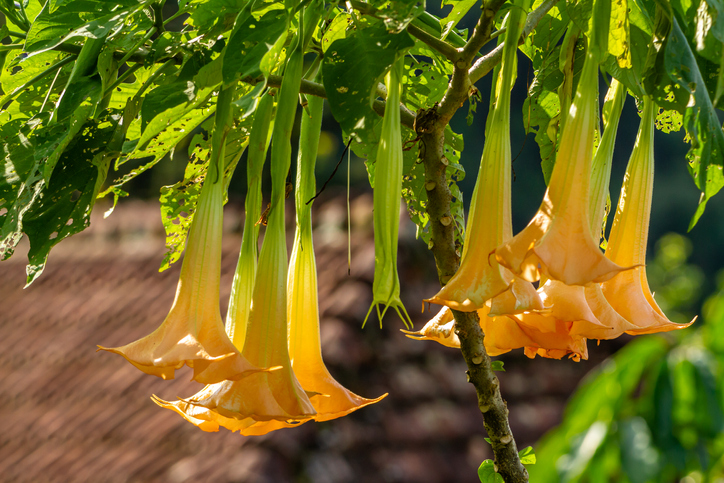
<point>386,201</point>
<point>331,400</point>
<point>584,308</point>
<point>506,333</point>
<point>193,332</point>
<point>480,277</point>
<point>629,292</point>
<point>557,243</point>
<point>265,401</point>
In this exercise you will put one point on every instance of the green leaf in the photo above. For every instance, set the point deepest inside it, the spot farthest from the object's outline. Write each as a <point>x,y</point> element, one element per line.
<point>212,17</point>
<point>639,457</point>
<point>397,14</point>
<point>352,69</point>
<point>542,109</point>
<point>78,18</point>
<point>619,37</point>
<point>599,399</point>
<point>706,156</point>
<point>178,205</point>
<point>159,146</point>
<point>165,97</point>
<point>460,8</point>
<point>68,199</point>
<point>164,120</point>
<point>487,473</point>
<point>497,366</point>
<point>250,41</point>
<point>547,33</point>
<point>337,30</point>
<point>527,455</point>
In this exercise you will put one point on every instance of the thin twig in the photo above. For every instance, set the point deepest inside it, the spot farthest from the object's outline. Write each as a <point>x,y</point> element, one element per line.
<point>481,34</point>
<point>450,52</point>
<point>341,158</point>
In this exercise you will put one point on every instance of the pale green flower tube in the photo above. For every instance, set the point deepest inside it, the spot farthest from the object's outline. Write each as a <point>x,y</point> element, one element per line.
<point>603,159</point>
<point>387,193</point>
<point>243,285</point>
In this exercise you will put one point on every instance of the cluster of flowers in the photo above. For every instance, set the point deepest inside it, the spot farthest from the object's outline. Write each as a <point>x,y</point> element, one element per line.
<point>583,293</point>
<point>264,370</point>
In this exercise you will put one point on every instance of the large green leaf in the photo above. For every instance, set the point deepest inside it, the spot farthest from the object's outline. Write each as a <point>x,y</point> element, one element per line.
<point>67,200</point>
<point>706,156</point>
<point>352,68</point>
<point>213,17</point>
<point>78,18</point>
<point>250,41</point>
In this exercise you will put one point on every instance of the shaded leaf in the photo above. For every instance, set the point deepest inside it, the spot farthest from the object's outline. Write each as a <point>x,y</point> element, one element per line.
<point>352,69</point>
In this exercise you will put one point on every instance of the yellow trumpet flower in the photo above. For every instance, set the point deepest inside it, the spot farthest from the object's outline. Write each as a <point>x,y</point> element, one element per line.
<point>265,401</point>
<point>585,308</point>
<point>506,333</point>
<point>557,243</point>
<point>331,400</point>
<point>480,277</point>
<point>629,292</point>
<point>193,332</point>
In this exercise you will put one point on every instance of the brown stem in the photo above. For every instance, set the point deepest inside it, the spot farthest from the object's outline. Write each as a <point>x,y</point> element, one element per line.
<point>430,127</point>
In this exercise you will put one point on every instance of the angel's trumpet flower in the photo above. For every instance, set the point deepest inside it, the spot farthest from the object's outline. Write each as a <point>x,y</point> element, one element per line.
<point>331,400</point>
<point>557,243</point>
<point>387,189</point>
<point>193,333</point>
<point>503,334</point>
<point>629,292</point>
<point>585,308</point>
<point>480,277</point>
<point>265,401</point>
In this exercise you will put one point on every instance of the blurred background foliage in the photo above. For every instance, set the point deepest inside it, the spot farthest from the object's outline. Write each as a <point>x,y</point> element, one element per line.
<point>654,411</point>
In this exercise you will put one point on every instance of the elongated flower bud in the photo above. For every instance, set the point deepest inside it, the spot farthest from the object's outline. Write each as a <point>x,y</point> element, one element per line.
<point>386,202</point>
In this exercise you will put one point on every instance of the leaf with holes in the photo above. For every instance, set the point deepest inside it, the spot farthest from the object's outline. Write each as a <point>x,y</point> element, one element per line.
<point>67,200</point>
<point>78,18</point>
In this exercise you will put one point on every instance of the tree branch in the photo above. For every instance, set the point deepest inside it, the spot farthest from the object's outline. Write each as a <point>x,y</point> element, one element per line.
<point>481,34</point>
<point>407,117</point>
<point>450,52</point>
<point>430,127</point>
<point>485,64</point>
